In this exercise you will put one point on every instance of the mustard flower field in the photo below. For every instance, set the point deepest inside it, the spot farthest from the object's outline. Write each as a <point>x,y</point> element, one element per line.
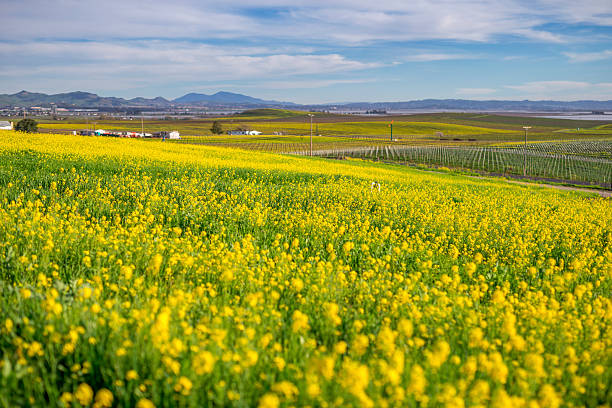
<point>148,274</point>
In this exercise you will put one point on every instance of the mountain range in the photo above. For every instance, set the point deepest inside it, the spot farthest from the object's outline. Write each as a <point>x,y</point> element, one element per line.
<point>235,100</point>
<point>224,98</point>
<point>90,100</point>
<point>484,105</point>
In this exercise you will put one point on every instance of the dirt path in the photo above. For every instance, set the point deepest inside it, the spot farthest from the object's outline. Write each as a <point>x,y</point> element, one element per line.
<point>509,178</point>
<point>602,193</point>
<point>493,176</point>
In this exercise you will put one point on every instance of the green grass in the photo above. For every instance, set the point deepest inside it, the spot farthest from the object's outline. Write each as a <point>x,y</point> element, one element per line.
<point>594,130</point>
<point>507,121</point>
<point>565,161</point>
<point>193,128</point>
<point>273,114</point>
<point>377,128</point>
<point>475,127</point>
<point>232,139</point>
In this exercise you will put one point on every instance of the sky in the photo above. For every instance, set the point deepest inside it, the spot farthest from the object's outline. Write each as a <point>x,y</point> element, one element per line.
<point>310,51</point>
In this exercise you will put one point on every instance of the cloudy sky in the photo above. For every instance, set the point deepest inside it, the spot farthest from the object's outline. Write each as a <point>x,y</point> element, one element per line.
<point>310,51</point>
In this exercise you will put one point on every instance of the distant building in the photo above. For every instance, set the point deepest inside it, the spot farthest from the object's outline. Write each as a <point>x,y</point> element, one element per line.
<point>173,134</point>
<point>243,132</point>
<point>4,125</point>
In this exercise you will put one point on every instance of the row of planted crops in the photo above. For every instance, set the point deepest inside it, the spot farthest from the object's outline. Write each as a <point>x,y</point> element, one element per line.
<point>587,162</point>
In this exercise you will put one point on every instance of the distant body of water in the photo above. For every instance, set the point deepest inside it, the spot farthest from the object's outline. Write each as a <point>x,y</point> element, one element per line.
<point>607,116</point>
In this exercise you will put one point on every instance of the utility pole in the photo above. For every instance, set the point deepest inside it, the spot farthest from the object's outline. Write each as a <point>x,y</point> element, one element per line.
<point>311,115</point>
<point>141,124</point>
<point>391,126</point>
<point>525,151</point>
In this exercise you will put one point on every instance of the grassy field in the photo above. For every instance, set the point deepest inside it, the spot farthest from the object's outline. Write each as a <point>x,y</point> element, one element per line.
<point>456,140</point>
<point>378,128</point>
<point>500,121</point>
<point>147,274</point>
<point>293,128</point>
<point>491,128</point>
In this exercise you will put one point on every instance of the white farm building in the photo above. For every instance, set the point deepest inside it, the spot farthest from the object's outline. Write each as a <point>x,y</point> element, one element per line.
<point>244,132</point>
<point>172,134</point>
<point>4,125</point>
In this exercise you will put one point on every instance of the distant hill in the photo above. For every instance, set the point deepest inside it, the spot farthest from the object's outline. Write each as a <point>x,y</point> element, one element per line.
<point>223,98</point>
<point>90,100</point>
<point>77,100</point>
<point>239,101</point>
<point>159,101</point>
<point>491,105</point>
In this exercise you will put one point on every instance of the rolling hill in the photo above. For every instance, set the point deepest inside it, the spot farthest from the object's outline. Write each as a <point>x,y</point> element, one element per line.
<point>224,99</point>
<point>90,100</point>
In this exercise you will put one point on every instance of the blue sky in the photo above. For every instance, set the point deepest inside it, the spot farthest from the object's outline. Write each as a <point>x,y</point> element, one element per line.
<point>311,51</point>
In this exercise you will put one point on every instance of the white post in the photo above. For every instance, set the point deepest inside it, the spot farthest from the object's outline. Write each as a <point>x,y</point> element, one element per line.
<point>525,152</point>
<point>311,115</point>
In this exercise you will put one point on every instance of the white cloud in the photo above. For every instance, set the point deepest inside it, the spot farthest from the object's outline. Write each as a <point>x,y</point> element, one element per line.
<point>343,21</point>
<point>563,90</point>
<point>175,51</point>
<point>548,86</point>
<point>596,12</point>
<point>428,57</point>
<point>119,44</point>
<point>306,83</point>
<point>311,83</point>
<point>588,56</point>
<point>143,63</point>
<point>543,36</point>
<point>475,91</point>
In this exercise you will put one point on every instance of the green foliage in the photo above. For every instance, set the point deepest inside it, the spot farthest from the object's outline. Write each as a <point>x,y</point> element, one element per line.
<point>216,128</point>
<point>27,125</point>
<point>468,127</point>
<point>271,113</point>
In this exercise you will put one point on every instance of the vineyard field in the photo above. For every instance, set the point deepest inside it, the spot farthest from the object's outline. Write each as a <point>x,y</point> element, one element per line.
<point>584,161</point>
<point>589,162</point>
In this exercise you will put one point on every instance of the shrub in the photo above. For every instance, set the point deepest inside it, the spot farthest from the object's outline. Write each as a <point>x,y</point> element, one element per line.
<point>27,125</point>
<point>216,128</point>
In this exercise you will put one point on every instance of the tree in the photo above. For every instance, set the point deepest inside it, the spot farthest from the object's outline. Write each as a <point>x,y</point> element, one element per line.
<point>27,125</point>
<point>216,128</point>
